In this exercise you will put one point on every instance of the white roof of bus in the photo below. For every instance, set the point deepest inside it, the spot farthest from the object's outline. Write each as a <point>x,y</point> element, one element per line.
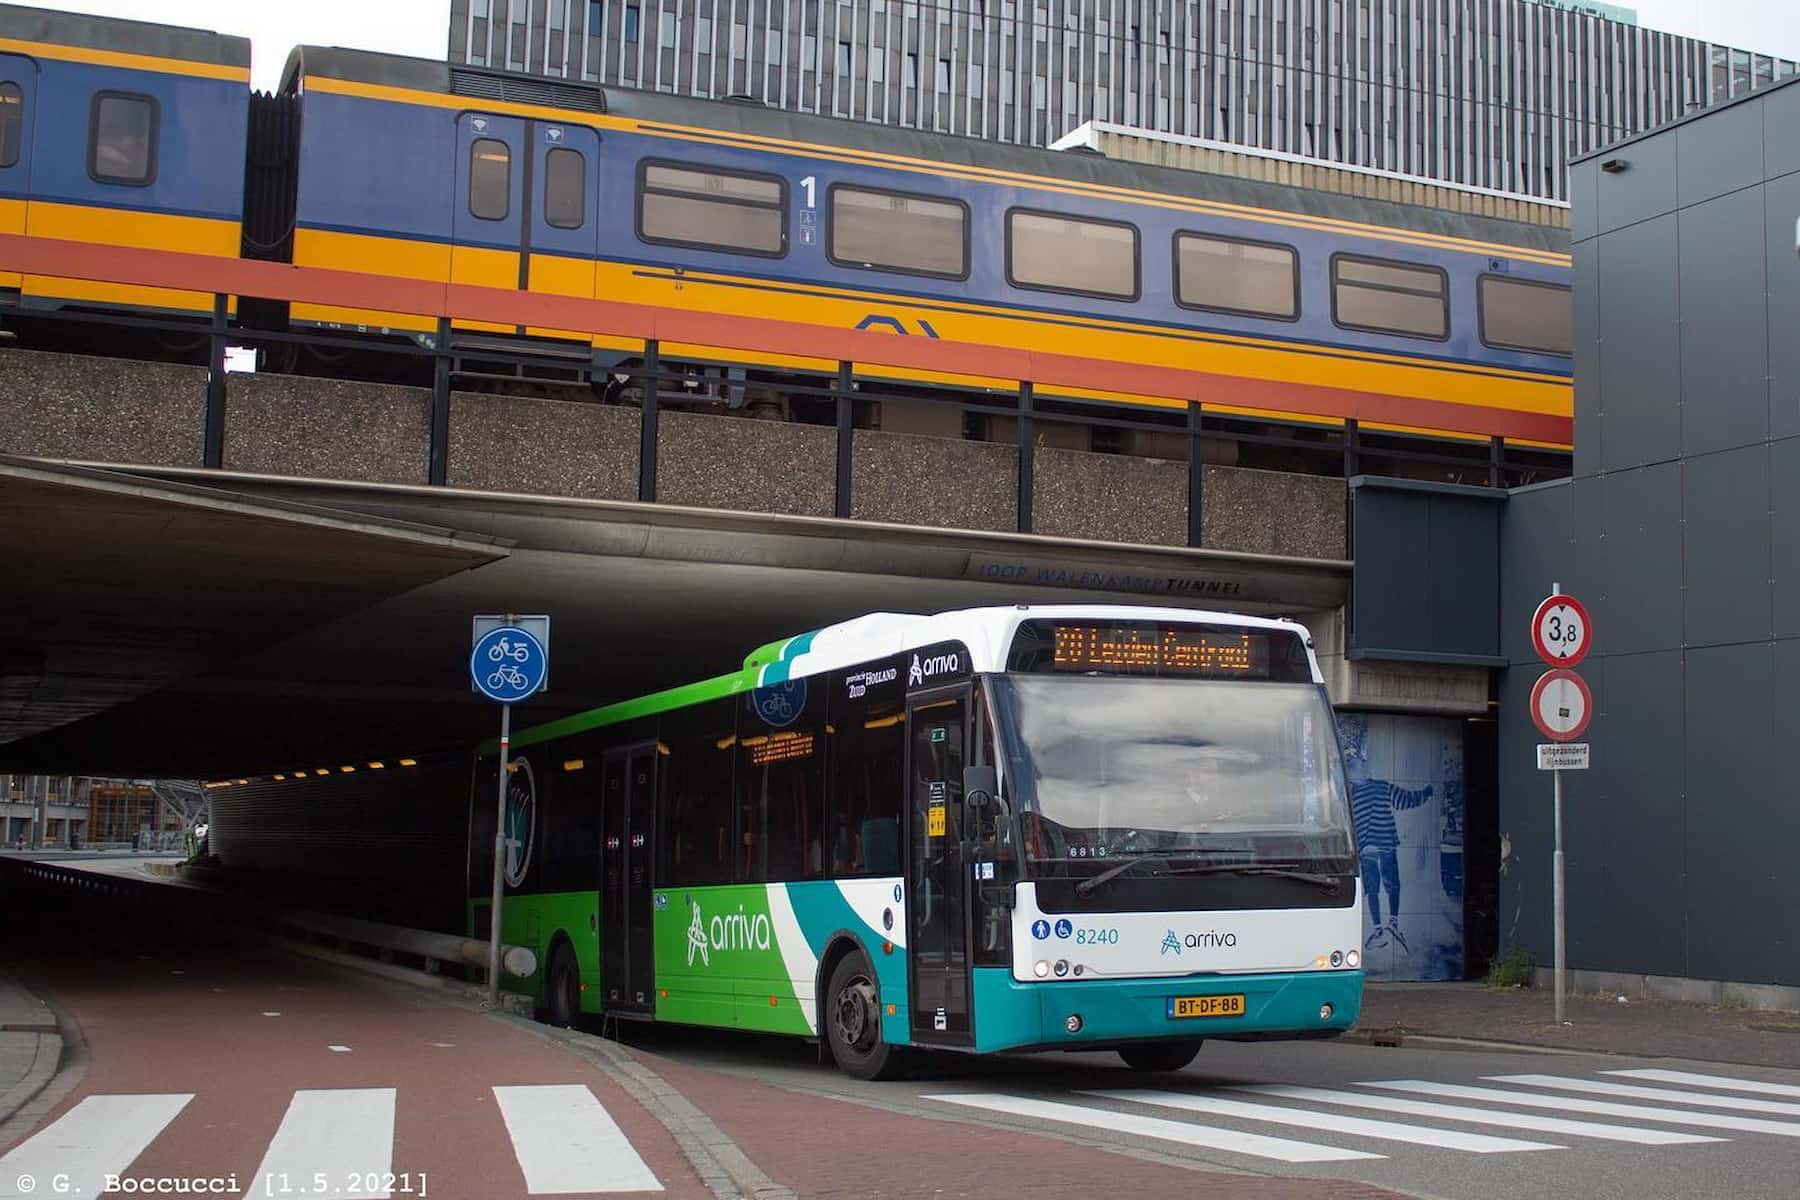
<point>988,633</point>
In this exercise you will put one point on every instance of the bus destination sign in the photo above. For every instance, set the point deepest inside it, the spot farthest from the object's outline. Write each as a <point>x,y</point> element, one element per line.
<point>1161,650</point>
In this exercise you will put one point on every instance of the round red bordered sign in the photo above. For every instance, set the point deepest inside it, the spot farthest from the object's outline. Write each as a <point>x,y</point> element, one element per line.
<point>1560,631</point>
<point>1561,705</point>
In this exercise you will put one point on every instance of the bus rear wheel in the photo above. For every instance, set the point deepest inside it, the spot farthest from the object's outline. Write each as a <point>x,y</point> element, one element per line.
<point>852,1020</point>
<point>562,988</point>
<point>1160,1056</point>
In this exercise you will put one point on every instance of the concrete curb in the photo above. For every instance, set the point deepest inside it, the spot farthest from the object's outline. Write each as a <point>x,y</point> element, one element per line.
<point>60,1062</point>
<point>720,1162</point>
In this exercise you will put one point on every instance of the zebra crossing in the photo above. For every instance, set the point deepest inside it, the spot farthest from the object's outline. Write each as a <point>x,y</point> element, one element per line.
<point>1380,1118</point>
<point>562,1137</point>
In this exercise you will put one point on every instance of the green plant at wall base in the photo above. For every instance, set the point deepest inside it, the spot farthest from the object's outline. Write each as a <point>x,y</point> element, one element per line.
<point>1512,969</point>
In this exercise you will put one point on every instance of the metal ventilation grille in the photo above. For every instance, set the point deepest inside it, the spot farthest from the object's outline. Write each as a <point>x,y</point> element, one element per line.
<point>526,90</point>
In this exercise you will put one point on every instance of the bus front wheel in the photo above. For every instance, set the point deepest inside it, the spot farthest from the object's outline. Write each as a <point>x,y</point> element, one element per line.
<point>1160,1056</point>
<point>852,1021</point>
<point>563,988</point>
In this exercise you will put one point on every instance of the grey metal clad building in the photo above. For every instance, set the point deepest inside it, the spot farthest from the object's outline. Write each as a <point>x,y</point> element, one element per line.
<point>1488,93</point>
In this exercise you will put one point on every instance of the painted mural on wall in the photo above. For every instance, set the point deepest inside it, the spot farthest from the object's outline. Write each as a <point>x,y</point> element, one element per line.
<point>1406,787</point>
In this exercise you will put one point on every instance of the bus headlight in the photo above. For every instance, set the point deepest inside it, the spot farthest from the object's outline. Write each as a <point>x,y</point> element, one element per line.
<point>1353,959</point>
<point>1041,969</point>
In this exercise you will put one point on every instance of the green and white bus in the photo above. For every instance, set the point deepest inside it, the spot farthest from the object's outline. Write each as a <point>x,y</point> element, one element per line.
<point>1029,828</point>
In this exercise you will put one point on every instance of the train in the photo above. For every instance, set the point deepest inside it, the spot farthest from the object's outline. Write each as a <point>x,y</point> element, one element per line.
<point>1128,284</point>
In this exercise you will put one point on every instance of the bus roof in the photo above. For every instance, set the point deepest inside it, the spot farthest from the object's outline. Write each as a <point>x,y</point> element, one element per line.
<point>987,632</point>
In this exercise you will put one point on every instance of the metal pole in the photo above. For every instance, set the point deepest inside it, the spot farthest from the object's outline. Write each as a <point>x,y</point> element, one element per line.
<point>493,993</point>
<point>1562,982</point>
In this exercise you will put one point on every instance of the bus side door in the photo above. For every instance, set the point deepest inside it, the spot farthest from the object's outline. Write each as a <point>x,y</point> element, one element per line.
<point>937,887</point>
<point>627,943</point>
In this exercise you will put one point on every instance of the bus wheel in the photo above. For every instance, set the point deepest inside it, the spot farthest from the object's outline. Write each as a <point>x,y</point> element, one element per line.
<point>1160,1056</point>
<point>562,991</point>
<point>852,1020</point>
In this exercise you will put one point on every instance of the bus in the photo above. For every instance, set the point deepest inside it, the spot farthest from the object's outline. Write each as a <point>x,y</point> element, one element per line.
<point>1071,827</point>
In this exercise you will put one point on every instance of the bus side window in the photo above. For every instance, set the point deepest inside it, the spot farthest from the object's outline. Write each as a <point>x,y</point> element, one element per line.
<point>781,782</point>
<point>868,751</point>
<point>694,842</point>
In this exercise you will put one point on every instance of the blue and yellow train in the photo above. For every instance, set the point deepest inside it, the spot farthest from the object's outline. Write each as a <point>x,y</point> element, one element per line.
<point>1290,304</point>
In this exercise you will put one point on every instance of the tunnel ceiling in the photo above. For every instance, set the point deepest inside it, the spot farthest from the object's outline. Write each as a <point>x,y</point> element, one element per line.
<point>291,666</point>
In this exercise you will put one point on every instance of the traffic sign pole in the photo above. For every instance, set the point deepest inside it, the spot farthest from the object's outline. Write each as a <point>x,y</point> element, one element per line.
<point>493,980</point>
<point>1562,982</point>
<point>507,664</point>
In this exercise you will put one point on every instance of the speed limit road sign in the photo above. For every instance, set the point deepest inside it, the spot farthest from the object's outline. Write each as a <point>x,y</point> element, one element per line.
<point>1560,632</point>
<point>1561,705</point>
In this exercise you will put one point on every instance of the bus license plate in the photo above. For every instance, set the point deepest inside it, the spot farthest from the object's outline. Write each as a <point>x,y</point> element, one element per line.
<point>1206,1006</point>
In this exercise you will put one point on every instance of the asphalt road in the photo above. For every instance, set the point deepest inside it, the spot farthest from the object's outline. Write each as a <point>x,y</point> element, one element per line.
<point>204,1058</point>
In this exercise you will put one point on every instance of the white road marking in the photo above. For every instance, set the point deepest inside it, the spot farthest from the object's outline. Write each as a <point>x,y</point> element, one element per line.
<point>1480,1116</point>
<point>340,1133</point>
<point>1605,1108</point>
<point>1444,1139</point>
<point>1255,1144</point>
<point>1601,1087</point>
<point>338,1049</point>
<point>1711,1081</point>
<point>101,1136</point>
<point>565,1142</point>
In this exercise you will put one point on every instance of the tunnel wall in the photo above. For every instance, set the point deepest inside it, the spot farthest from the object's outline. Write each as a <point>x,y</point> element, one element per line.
<point>390,845</point>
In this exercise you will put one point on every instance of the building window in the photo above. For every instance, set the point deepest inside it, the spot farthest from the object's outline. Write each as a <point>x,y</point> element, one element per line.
<point>1229,275</point>
<point>631,22</point>
<point>565,188</point>
<point>12,123</point>
<point>943,75</point>
<point>1068,254</point>
<point>891,231</point>
<point>490,179</point>
<point>122,130</point>
<point>843,60</point>
<point>1518,314</point>
<point>717,210</point>
<point>772,48</point>
<point>1390,297</point>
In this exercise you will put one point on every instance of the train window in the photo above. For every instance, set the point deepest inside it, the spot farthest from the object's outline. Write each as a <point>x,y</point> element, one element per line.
<point>1231,275</point>
<point>12,123</point>
<point>122,130</point>
<point>490,179</point>
<point>1519,314</point>
<point>892,231</point>
<point>718,210</point>
<point>565,188</point>
<point>1390,297</point>
<point>1069,254</point>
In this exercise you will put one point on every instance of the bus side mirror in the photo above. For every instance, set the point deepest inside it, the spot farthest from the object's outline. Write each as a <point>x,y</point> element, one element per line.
<point>981,786</point>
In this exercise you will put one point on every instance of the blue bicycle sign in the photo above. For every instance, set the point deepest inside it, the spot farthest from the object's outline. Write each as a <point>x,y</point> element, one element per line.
<point>508,664</point>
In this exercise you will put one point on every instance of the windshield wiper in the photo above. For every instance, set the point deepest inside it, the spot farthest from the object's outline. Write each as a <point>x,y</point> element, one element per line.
<point>1088,886</point>
<point>1330,883</point>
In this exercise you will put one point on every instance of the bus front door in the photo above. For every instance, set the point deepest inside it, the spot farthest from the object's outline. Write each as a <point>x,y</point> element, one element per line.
<point>938,913</point>
<point>627,945</point>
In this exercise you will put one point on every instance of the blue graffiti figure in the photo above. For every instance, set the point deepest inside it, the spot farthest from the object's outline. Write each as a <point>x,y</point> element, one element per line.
<point>1373,803</point>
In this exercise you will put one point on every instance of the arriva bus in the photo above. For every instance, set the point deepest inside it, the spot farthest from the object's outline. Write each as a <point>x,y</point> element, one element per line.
<point>1029,828</point>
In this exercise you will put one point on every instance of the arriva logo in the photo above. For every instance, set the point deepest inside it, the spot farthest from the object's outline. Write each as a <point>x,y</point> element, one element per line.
<point>732,931</point>
<point>937,664</point>
<point>1171,941</point>
<point>697,937</point>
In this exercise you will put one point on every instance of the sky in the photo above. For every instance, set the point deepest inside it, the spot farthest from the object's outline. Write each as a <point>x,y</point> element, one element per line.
<point>420,27</point>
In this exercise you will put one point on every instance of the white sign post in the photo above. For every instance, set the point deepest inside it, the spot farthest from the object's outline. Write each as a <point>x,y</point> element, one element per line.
<point>1561,707</point>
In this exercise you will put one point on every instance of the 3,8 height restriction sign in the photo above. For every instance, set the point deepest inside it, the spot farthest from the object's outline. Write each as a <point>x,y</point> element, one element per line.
<point>1560,632</point>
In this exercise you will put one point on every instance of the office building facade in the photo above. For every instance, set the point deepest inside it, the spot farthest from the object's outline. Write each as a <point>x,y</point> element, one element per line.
<point>1495,94</point>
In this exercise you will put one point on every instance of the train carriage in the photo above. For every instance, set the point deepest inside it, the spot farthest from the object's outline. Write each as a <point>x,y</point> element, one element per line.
<point>1289,303</point>
<point>119,133</point>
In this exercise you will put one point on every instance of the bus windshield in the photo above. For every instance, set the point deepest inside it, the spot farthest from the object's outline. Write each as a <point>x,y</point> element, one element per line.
<point>1201,770</point>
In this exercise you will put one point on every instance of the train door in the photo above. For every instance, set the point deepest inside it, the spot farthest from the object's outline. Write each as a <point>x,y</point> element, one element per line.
<point>563,232</point>
<point>938,915</point>
<point>627,944</point>
<point>487,234</point>
<point>18,110</point>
